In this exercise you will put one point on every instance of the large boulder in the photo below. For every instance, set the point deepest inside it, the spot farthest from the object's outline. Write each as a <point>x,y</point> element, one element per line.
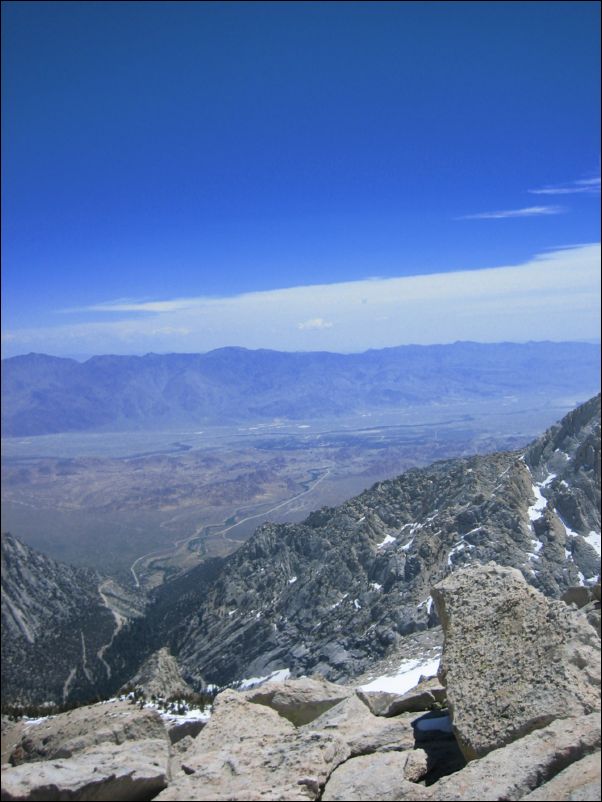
<point>523,766</point>
<point>579,782</point>
<point>381,776</point>
<point>361,731</point>
<point>130,771</point>
<point>65,734</point>
<point>513,660</point>
<point>248,751</point>
<point>299,700</point>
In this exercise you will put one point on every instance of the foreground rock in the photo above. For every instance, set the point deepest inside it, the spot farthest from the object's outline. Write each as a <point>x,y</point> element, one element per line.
<point>513,661</point>
<point>132,771</point>
<point>580,781</point>
<point>384,776</point>
<point>300,701</point>
<point>361,731</point>
<point>519,768</point>
<point>68,733</point>
<point>249,752</point>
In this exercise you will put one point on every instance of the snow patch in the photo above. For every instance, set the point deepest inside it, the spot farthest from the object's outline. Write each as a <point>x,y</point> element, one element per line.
<point>406,677</point>
<point>593,538</point>
<point>388,539</point>
<point>358,606</point>
<point>537,546</point>
<point>407,545</point>
<point>376,586</point>
<point>340,601</point>
<point>429,604</point>
<point>275,676</point>
<point>535,511</point>
<point>292,580</point>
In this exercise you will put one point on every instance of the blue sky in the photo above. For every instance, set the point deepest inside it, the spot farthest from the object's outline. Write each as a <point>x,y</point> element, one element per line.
<point>180,176</point>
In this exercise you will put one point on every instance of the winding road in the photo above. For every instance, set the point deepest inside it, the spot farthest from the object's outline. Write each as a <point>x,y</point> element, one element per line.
<point>199,531</point>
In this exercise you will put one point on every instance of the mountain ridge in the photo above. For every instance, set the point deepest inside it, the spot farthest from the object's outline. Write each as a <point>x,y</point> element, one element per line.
<point>331,595</point>
<point>45,395</point>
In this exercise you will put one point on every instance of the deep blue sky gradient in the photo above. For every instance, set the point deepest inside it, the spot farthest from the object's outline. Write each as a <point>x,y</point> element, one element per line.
<point>156,150</point>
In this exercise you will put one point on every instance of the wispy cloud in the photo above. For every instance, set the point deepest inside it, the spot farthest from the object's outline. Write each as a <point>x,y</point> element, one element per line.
<point>555,296</point>
<point>122,305</point>
<point>315,323</point>
<point>585,186</point>
<point>529,211</point>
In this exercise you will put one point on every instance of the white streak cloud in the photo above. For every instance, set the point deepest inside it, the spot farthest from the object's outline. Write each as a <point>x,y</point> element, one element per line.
<point>529,211</point>
<point>553,296</point>
<point>585,186</point>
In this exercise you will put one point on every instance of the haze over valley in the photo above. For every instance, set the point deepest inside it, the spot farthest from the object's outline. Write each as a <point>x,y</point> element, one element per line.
<point>147,503</point>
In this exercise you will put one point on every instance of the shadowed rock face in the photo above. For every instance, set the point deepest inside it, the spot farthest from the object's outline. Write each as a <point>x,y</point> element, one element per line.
<point>54,622</point>
<point>513,661</point>
<point>56,619</point>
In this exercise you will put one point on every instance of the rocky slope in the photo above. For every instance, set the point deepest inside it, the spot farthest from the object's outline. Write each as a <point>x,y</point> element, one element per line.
<point>329,596</point>
<point>517,718</point>
<point>341,589</point>
<point>57,621</point>
<point>43,394</point>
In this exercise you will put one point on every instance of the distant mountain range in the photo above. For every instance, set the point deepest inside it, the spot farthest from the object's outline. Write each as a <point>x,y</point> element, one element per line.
<point>330,595</point>
<point>43,394</point>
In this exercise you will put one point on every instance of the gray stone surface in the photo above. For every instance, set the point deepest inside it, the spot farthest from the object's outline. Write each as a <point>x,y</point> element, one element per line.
<point>579,782</point>
<point>363,732</point>
<point>300,700</point>
<point>130,771</point>
<point>519,768</point>
<point>381,776</point>
<point>513,660</point>
<point>65,734</point>
<point>249,752</point>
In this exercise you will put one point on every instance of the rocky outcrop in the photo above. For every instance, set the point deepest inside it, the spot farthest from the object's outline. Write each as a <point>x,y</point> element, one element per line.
<point>131,771</point>
<point>65,735</point>
<point>364,733</point>
<point>513,661</point>
<point>247,751</point>
<point>520,767</point>
<point>509,652</point>
<point>159,676</point>
<point>300,701</point>
<point>580,781</point>
<point>383,776</point>
<point>345,587</point>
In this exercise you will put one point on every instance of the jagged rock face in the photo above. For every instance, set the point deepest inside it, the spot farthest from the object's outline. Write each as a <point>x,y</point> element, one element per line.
<point>513,660</point>
<point>55,623</point>
<point>328,596</point>
<point>336,592</point>
<point>160,676</point>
